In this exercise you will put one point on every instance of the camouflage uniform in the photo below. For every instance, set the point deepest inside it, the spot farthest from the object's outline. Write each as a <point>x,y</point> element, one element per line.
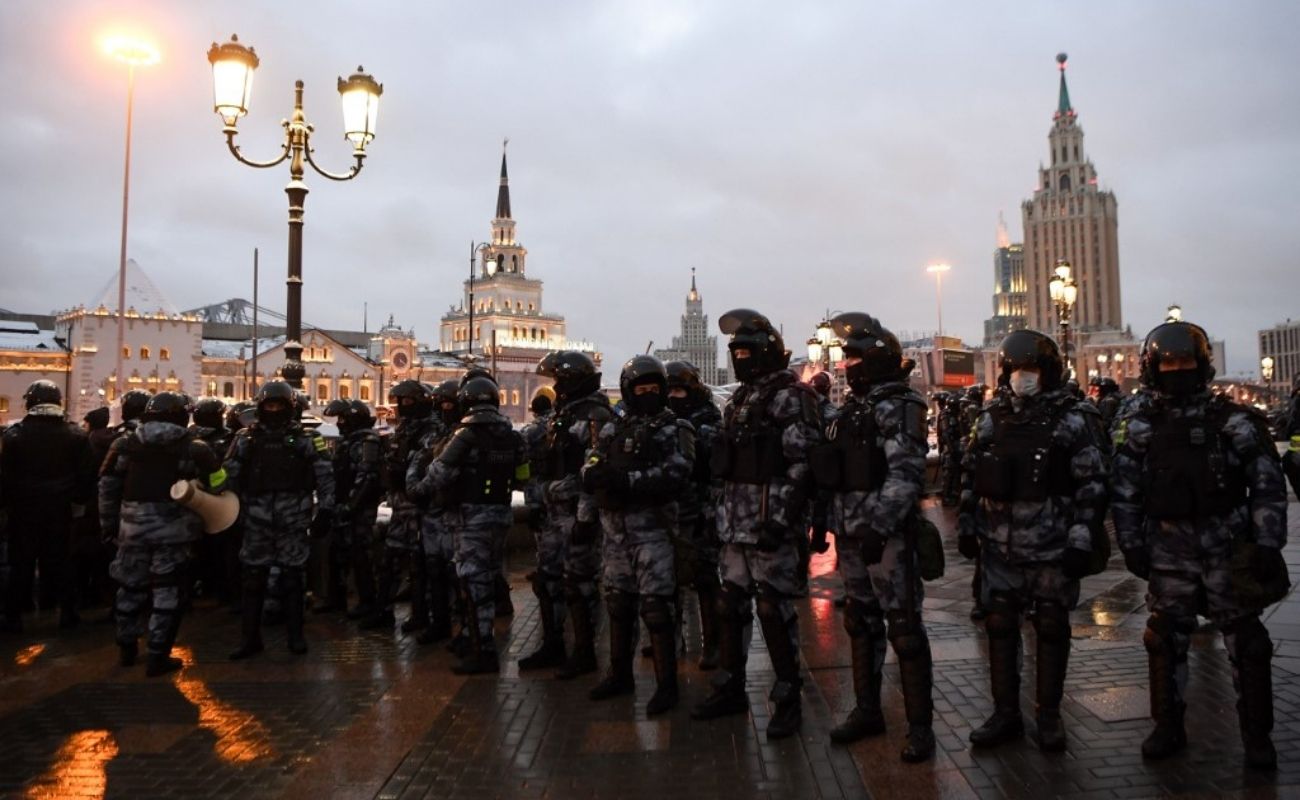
<point>1034,492</point>
<point>156,535</point>
<point>534,434</point>
<point>402,545</point>
<point>952,433</point>
<point>1193,480</point>
<point>358,485</point>
<point>438,524</point>
<point>476,471</point>
<point>880,441</point>
<point>1291,430</point>
<point>696,543</point>
<point>770,424</point>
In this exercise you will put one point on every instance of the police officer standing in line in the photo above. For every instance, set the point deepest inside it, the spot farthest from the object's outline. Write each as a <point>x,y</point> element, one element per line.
<point>696,541</point>
<point>438,518</point>
<point>769,426</point>
<point>275,466</point>
<point>569,547</point>
<point>952,431</point>
<point>1034,496</point>
<point>478,468</point>
<point>1107,400</point>
<point>133,404</point>
<point>640,465</point>
<point>1196,479</point>
<point>545,582</point>
<point>402,549</point>
<point>873,463</point>
<point>156,535</point>
<point>358,487</point>
<point>542,407</point>
<point>48,479</point>
<point>209,427</point>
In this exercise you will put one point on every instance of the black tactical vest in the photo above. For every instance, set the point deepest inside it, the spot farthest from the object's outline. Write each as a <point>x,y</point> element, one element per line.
<point>634,449</point>
<point>1021,463</point>
<point>488,476</point>
<point>749,449</point>
<point>278,463</point>
<point>852,459</point>
<point>564,452</point>
<point>151,470</point>
<point>1187,471</point>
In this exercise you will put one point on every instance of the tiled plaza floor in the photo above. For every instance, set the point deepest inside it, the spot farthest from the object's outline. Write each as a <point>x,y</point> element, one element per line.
<point>376,715</point>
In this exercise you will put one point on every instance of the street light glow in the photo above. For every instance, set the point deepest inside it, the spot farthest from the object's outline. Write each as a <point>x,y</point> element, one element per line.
<point>938,268</point>
<point>131,51</point>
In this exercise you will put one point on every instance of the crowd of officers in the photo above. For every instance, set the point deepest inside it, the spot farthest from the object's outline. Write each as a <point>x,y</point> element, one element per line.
<point>661,493</point>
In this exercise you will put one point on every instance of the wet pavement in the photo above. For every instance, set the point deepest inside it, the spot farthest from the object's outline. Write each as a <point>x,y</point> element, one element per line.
<point>376,715</point>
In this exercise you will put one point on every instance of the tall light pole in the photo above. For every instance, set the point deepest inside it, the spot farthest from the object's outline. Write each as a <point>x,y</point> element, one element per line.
<point>232,81</point>
<point>134,53</point>
<point>937,270</point>
<point>489,264</point>
<point>1064,292</point>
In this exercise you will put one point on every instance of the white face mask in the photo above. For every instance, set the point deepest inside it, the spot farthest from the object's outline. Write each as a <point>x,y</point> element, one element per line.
<point>1024,383</point>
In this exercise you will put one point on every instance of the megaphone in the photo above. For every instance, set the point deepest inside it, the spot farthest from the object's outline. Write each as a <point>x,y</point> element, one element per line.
<point>218,511</point>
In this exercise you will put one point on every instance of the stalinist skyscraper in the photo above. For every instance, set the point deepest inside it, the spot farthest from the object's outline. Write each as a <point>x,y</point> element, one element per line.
<point>1070,218</point>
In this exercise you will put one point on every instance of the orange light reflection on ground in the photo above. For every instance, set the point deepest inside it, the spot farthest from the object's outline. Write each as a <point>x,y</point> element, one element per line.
<point>28,654</point>
<point>79,768</point>
<point>241,737</point>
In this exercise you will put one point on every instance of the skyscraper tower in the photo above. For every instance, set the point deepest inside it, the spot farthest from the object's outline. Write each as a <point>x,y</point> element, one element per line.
<point>1009,297</point>
<point>1070,218</point>
<point>696,344</point>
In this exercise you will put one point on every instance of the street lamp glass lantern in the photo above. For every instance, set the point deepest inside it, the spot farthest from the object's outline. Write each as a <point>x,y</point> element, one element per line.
<point>837,352</point>
<point>232,78</point>
<point>815,350</point>
<point>1071,293</point>
<point>1056,288</point>
<point>360,96</point>
<point>490,264</point>
<point>824,333</point>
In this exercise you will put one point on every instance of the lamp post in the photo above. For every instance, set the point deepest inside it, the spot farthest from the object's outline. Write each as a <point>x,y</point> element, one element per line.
<point>134,54</point>
<point>489,264</point>
<point>1118,362</point>
<point>825,349</point>
<point>233,65</point>
<point>1174,313</point>
<point>1064,292</point>
<point>937,270</point>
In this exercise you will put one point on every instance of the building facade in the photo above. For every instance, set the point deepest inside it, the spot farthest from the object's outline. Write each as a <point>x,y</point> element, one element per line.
<point>695,343</point>
<point>29,351</point>
<point>1010,299</point>
<point>1070,218</point>
<point>1282,344</point>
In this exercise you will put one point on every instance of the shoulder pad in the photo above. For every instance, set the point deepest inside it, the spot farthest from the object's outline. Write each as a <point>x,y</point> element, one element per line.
<point>481,417</point>
<point>593,412</point>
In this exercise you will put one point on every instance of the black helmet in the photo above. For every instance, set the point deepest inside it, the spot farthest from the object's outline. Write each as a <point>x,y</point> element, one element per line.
<point>350,415</point>
<point>879,353</point>
<point>644,371</point>
<point>976,393</point>
<point>335,408</point>
<point>684,375</point>
<point>752,332</point>
<point>574,372</point>
<point>1107,387</point>
<point>543,400</point>
<point>210,412</point>
<point>821,383</point>
<point>446,400</point>
<point>235,416</point>
<point>133,403</point>
<point>477,392</point>
<point>42,393</point>
<point>1027,348</point>
<point>97,419</point>
<point>172,407</point>
<point>475,372</point>
<point>1173,340</point>
<point>412,398</point>
<point>276,390</point>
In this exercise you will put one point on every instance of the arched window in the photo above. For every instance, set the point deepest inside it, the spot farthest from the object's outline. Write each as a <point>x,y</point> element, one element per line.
<point>502,397</point>
<point>126,351</point>
<point>4,404</point>
<point>514,397</point>
<point>228,389</point>
<point>144,352</point>
<point>345,391</point>
<point>514,263</point>
<point>322,392</point>
<point>212,387</point>
<point>1065,182</point>
<point>165,353</point>
<point>365,392</point>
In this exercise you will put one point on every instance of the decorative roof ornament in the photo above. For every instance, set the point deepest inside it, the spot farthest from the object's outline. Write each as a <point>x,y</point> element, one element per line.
<point>1063,107</point>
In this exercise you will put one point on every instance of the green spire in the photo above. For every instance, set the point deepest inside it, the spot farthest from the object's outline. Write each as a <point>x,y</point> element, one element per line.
<point>1063,107</point>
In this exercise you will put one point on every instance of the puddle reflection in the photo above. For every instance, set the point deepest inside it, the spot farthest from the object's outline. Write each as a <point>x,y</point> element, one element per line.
<point>79,768</point>
<point>241,737</point>
<point>28,654</point>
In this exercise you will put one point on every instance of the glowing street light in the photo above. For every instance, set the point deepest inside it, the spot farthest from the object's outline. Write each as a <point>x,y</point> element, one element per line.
<point>1064,292</point>
<point>1174,313</point>
<point>937,270</point>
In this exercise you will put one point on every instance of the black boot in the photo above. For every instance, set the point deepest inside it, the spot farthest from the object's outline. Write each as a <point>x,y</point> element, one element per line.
<point>551,653</point>
<point>439,602</point>
<point>660,620</point>
<point>1006,724</point>
<point>728,697</point>
<point>381,613</point>
<point>127,653</point>
<point>622,630</point>
<point>1254,680</point>
<point>708,599</point>
<point>582,660</point>
<point>292,578</point>
<point>481,656</point>
<point>336,591</point>
<point>419,619</point>
<point>915,670</point>
<point>252,596</point>
<point>363,575</point>
<point>1169,736</point>
<point>1053,626</point>
<point>787,715</point>
<point>867,646</point>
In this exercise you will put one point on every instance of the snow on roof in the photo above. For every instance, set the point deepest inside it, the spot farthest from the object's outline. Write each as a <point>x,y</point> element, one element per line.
<point>141,293</point>
<point>29,338</point>
<point>238,348</point>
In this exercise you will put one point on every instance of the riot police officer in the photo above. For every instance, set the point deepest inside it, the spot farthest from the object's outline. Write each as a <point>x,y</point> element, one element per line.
<point>568,558</point>
<point>437,519</point>
<point>769,426</point>
<point>48,479</point>
<point>211,560</point>
<point>132,407</point>
<point>358,487</point>
<point>640,464</point>
<point>542,407</point>
<point>696,543</point>
<point>873,463</point>
<point>952,433</point>
<point>402,550</point>
<point>1107,400</point>
<point>478,469</point>
<point>275,467</point>
<point>156,535</point>
<point>1033,503</point>
<point>1196,480</point>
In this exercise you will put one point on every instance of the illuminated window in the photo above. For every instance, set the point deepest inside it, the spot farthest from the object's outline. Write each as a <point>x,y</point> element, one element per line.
<point>228,389</point>
<point>502,398</point>
<point>4,404</point>
<point>144,352</point>
<point>514,397</point>
<point>345,391</point>
<point>165,353</point>
<point>212,387</point>
<point>365,392</point>
<point>126,351</point>
<point>322,392</point>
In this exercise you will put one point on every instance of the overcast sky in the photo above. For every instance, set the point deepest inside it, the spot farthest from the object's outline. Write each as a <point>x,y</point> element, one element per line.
<point>803,156</point>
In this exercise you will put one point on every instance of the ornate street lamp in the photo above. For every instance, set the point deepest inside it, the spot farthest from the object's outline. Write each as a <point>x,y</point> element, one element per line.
<point>233,65</point>
<point>1266,372</point>
<point>490,265</point>
<point>1174,313</point>
<point>1064,292</point>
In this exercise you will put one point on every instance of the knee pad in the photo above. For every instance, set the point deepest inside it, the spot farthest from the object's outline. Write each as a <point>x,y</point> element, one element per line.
<point>621,605</point>
<point>1003,621</point>
<point>1250,639</point>
<point>733,604</point>
<point>1052,622</point>
<point>1163,629</point>
<point>768,603</point>
<point>860,620</point>
<point>657,612</point>
<point>907,635</point>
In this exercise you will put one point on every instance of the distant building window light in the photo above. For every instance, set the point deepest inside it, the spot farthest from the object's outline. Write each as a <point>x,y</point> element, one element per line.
<point>126,352</point>
<point>144,352</point>
<point>228,389</point>
<point>165,353</point>
<point>365,392</point>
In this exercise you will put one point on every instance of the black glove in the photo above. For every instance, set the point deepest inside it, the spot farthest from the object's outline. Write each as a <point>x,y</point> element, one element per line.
<point>1076,563</point>
<point>322,523</point>
<point>1138,562</point>
<point>819,543</point>
<point>584,531</point>
<point>771,534</point>
<point>1267,564</point>
<point>873,547</point>
<point>969,546</point>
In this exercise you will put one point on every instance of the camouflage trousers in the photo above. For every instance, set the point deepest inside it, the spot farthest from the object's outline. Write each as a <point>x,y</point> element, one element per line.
<point>879,587</point>
<point>643,567</point>
<point>1027,583</point>
<point>275,530</point>
<point>580,563</point>
<point>775,573</point>
<point>477,561</point>
<point>150,577</point>
<point>404,527</point>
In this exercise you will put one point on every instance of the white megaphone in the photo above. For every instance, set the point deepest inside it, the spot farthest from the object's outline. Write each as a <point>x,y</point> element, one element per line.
<point>218,511</point>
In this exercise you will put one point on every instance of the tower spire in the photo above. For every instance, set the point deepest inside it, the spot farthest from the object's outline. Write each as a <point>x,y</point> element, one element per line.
<point>503,193</point>
<point>694,295</point>
<point>1063,107</point>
